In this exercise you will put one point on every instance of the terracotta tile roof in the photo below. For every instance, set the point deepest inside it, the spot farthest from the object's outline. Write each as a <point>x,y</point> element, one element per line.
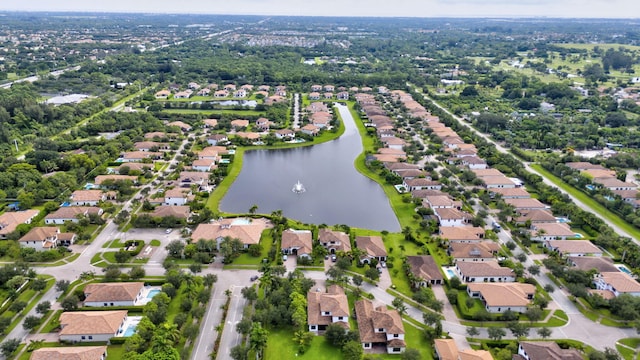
<point>553,229</point>
<point>91,322</point>
<point>152,135</point>
<point>529,203</point>
<point>446,349</point>
<point>421,194</point>
<point>182,125</point>
<point>240,123</point>
<point>180,211</point>
<point>402,166</point>
<point>599,263</point>
<point>461,233</point>
<point>424,267</point>
<point>504,294</point>
<point>10,220</point>
<point>125,291</point>
<point>333,301</point>
<point>364,316</point>
<point>147,145</point>
<point>573,246</point>
<point>87,195</point>
<point>340,240</point>
<point>584,166</point>
<point>69,353</point>
<point>483,269</point>
<point>548,350</point>
<point>599,173</point>
<point>300,239</point>
<point>620,281</point>
<point>421,182</point>
<point>451,214</point>
<point>536,216</point>
<point>614,183</point>
<point>102,178</point>
<point>471,354</point>
<point>475,250</point>
<point>487,172</point>
<point>248,234</point>
<point>372,245</point>
<point>40,233</point>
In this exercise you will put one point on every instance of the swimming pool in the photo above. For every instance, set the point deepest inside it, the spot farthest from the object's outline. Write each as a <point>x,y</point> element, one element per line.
<point>578,235</point>
<point>152,293</point>
<point>240,221</point>
<point>562,220</point>
<point>623,268</point>
<point>451,273</point>
<point>131,329</point>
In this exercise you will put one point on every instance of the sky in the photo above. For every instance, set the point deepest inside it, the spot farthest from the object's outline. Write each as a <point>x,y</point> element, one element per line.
<point>401,8</point>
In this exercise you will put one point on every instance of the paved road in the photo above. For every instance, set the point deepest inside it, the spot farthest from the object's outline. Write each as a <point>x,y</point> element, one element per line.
<point>503,150</point>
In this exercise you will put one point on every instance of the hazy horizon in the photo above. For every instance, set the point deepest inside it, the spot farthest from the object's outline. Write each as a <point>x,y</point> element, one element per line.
<point>596,9</point>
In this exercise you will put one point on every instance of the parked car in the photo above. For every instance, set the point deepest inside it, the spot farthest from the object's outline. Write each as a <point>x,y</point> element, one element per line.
<point>254,278</point>
<point>383,264</point>
<point>168,231</point>
<point>334,258</point>
<point>284,257</point>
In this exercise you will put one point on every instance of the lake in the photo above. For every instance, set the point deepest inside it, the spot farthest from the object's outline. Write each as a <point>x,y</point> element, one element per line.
<point>336,193</point>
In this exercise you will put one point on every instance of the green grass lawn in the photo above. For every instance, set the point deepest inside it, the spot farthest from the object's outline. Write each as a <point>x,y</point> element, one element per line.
<point>115,352</point>
<point>155,242</point>
<point>240,113</point>
<point>266,240</point>
<point>281,346</point>
<point>594,206</point>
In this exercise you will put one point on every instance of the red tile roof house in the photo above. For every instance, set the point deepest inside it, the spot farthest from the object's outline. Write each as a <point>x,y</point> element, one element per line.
<point>215,139</point>
<point>263,124</point>
<point>314,96</point>
<point>70,213</point>
<point>179,212</point>
<point>424,271</point>
<point>176,196</point>
<point>526,204</point>
<point>297,242</point>
<point>329,88</point>
<point>545,350</point>
<point>480,251</point>
<point>310,129</point>
<point>9,221</point>
<point>334,241</point>
<point>70,353</point>
<point>46,238</point>
<point>551,231</point>
<point>113,294</point>
<point>91,326</point>
<point>373,248</point>
<point>567,248</point>
<point>203,165</point>
<point>510,193</point>
<point>198,178</point>
<point>325,308</point>
<point>618,283</point>
<point>421,184</point>
<point>380,327</point>
<point>316,88</point>
<point>101,180</point>
<point>462,234</point>
<point>247,233</point>
<point>500,297</point>
<point>478,272</point>
<point>138,156</point>
<point>285,134</point>
<point>149,145</point>
<point>239,124</point>
<point>452,217</point>
<point>182,125</point>
<point>87,197</point>
<point>535,217</point>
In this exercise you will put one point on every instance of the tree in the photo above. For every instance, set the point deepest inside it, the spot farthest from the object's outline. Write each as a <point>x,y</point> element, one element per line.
<point>534,270</point>
<point>244,326</point>
<point>399,305</point>
<point>303,339</point>
<point>258,338</point>
<point>411,354</point>
<point>544,332</point>
<point>352,350</point>
<point>549,288</point>
<point>122,256</point>
<point>70,303</point>
<point>372,273</point>
<point>30,322</point>
<point>431,318</point>
<point>473,331</point>
<point>518,329</point>
<point>175,249</point>
<point>38,284</point>
<point>357,280</point>
<point>9,347</point>
<point>249,293</point>
<point>253,209</point>
<point>335,334</point>
<point>111,273</point>
<point>239,352</point>
<point>210,279</point>
<point>496,333</point>
<point>137,272</point>
<point>534,313</point>
<point>43,307</point>
<point>195,268</point>
<point>62,285</point>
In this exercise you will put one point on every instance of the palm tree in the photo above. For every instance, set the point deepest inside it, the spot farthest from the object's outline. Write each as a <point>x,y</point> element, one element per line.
<point>253,209</point>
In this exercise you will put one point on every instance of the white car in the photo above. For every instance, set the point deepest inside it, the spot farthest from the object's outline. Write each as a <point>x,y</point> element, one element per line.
<point>284,257</point>
<point>168,231</point>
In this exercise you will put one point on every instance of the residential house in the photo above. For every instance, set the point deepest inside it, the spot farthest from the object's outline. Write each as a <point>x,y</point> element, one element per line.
<point>210,123</point>
<point>211,153</point>
<point>264,88</point>
<point>314,96</point>
<point>285,134</point>
<point>327,95</point>
<point>70,353</point>
<point>421,184</point>
<point>216,139</point>
<point>526,204</point>
<point>492,182</point>
<point>551,231</point>
<point>176,196</point>
<point>113,294</point>
<point>446,349</point>
<point>535,217</point>
<point>581,165</point>
<point>182,125</point>
<point>103,180</point>
<point>193,85</point>
<point>479,251</point>
<point>393,167</point>
<point>618,283</point>
<point>183,94</point>
<point>630,196</point>
<point>274,99</point>
<point>451,217</point>
<point>441,202</point>
<point>343,95</point>
<point>329,88</point>
<point>71,213</point>
<point>87,197</point>
<point>372,247</point>
<point>600,264</point>
<point>462,234</point>
<point>325,308</point>
<point>198,178</point>
<point>474,162</point>
<point>413,174</point>
<point>138,156</point>
<point>91,326</point>
<point>310,129</point>
<point>334,241</point>
<point>545,350</point>
<point>380,327</point>
<point>297,242</point>
<point>10,220</point>
<point>163,94</point>
<point>239,124</point>
<point>316,88</point>
<point>393,142</point>
<point>263,124</point>
<point>615,184</point>
<point>490,271</point>
<point>247,231</point>
<point>204,92</point>
<point>42,238</point>
<point>221,94</point>
<point>500,297</point>
<point>203,165</point>
<point>424,271</point>
<point>230,87</point>
<point>240,93</point>
<point>150,146</point>
<point>178,212</point>
<point>247,87</point>
<point>569,248</point>
<point>132,166</point>
<point>155,135</point>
